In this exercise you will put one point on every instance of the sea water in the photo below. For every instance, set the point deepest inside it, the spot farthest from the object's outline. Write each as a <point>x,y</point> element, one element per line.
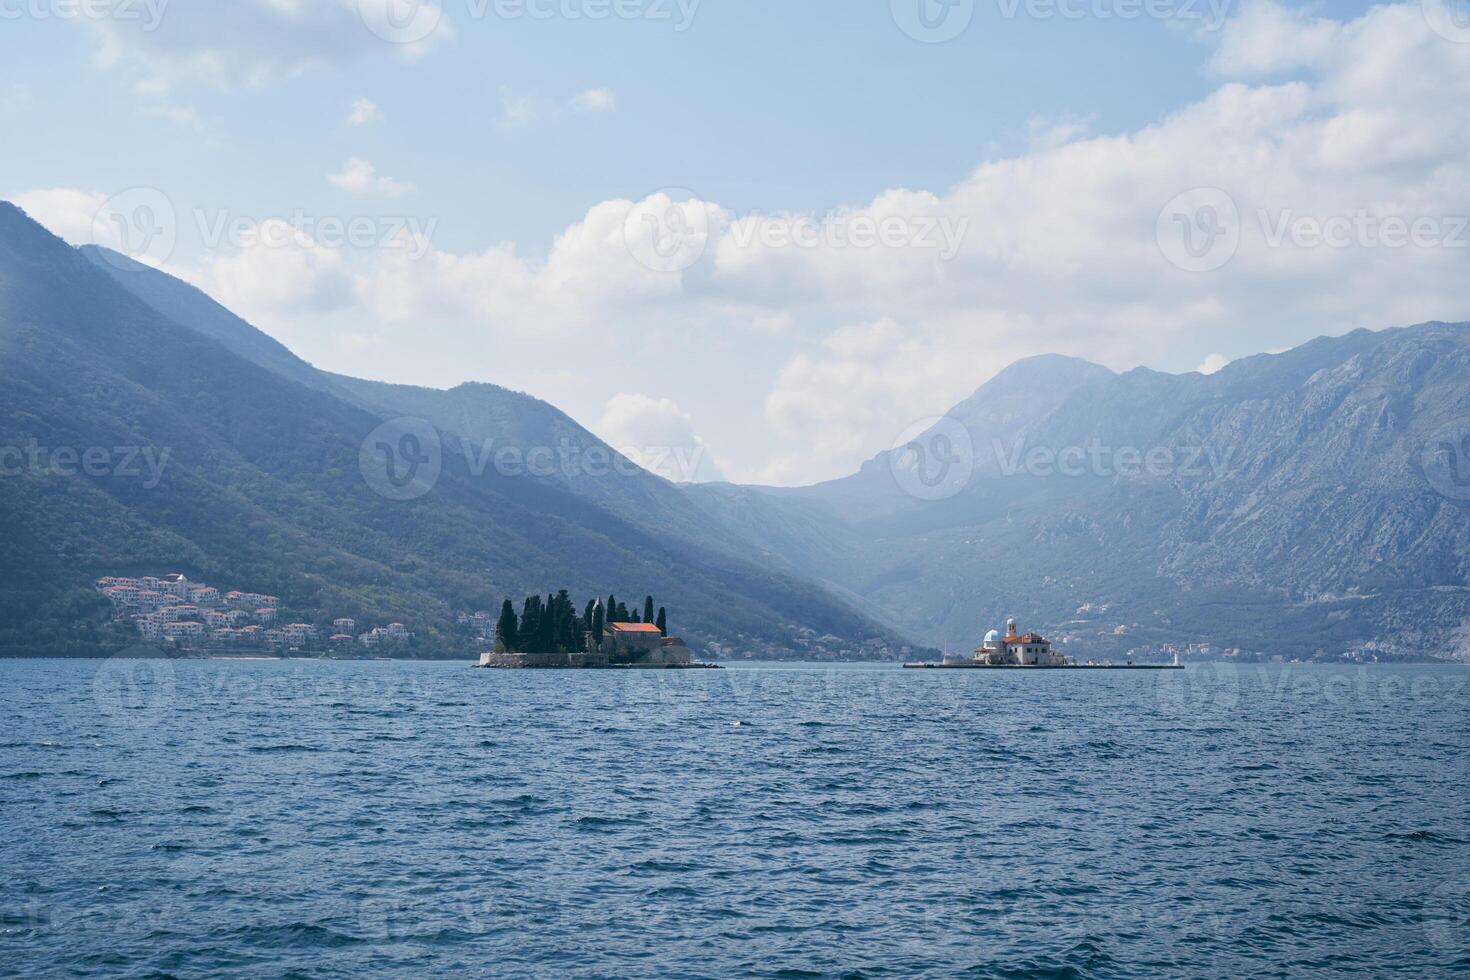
<point>312,818</point>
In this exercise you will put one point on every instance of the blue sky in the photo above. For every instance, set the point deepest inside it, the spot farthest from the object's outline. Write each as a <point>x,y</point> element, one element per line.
<point>505,136</point>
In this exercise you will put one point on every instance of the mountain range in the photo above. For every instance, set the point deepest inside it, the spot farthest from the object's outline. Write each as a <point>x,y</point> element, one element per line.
<point>270,483</point>
<point>1312,502</point>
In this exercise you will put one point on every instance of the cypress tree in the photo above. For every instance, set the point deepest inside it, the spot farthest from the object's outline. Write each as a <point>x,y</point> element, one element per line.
<point>648,609</point>
<point>611,608</point>
<point>547,632</point>
<point>663,621</point>
<point>530,630</point>
<point>598,624</point>
<point>505,630</point>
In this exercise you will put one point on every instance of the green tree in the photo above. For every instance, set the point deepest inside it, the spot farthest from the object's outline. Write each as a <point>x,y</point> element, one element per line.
<point>530,630</point>
<point>647,609</point>
<point>663,621</point>
<point>506,631</point>
<point>599,623</point>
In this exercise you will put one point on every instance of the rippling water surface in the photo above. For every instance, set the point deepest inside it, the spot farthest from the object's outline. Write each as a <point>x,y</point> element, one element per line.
<point>347,819</point>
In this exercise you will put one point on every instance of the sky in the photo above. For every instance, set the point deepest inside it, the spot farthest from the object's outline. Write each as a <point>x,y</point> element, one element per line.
<point>772,236</point>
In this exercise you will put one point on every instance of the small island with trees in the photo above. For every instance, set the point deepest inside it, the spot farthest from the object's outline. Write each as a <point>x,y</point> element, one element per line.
<point>551,634</point>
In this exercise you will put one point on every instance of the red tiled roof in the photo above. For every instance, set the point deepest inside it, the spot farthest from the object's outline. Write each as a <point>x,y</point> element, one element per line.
<point>1028,638</point>
<point>633,627</point>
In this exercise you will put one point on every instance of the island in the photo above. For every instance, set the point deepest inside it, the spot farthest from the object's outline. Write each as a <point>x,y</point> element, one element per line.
<point>1026,651</point>
<point>550,634</point>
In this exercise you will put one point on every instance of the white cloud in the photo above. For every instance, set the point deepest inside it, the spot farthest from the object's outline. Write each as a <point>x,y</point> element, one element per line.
<point>517,109</point>
<point>361,177</point>
<point>64,211</point>
<point>658,435</point>
<point>595,100</point>
<point>1212,364</point>
<point>1060,251</point>
<point>363,113</point>
<point>247,43</point>
<point>280,279</point>
<point>1267,38</point>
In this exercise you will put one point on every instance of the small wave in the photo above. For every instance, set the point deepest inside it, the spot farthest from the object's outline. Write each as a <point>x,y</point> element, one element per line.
<point>293,935</point>
<point>287,747</point>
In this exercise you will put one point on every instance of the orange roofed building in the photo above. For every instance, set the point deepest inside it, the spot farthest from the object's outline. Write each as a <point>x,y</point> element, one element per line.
<point>1013,650</point>
<point>628,638</point>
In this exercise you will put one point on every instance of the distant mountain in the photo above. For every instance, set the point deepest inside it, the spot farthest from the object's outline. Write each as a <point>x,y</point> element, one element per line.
<point>269,482</point>
<point>1281,505</point>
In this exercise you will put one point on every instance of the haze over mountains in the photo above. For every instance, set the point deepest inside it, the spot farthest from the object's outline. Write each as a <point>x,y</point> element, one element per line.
<point>1281,505</point>
<point>265,486</point>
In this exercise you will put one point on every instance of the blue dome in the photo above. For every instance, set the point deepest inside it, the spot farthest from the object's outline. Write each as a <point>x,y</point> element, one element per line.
<point>993,636</point>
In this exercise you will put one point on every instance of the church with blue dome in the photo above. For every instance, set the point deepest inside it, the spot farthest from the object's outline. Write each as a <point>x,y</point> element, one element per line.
<point>1013,649</point>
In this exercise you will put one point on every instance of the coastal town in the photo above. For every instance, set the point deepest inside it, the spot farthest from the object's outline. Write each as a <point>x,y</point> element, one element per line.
<point>174,613</point>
